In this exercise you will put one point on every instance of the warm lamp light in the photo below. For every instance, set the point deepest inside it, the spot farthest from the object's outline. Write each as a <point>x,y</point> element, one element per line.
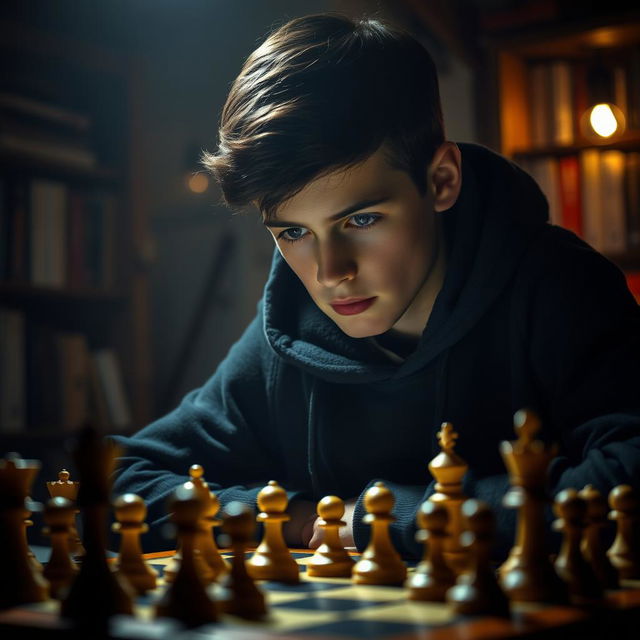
<point>603,121</point>
<point>197,182</point>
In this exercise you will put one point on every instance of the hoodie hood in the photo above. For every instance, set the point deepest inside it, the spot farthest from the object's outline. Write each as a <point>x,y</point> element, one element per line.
<point>496,216</point>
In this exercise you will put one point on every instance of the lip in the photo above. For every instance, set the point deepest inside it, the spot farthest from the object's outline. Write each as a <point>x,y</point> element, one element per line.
<point>352,306</point>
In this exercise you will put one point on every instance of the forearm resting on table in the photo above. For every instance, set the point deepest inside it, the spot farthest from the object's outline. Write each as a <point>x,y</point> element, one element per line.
<point>303,529</point>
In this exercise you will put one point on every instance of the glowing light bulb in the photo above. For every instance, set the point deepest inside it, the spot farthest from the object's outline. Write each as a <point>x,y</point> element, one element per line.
<point>603,121</point>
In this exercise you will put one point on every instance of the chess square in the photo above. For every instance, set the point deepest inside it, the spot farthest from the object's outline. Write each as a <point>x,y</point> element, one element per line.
<point>329,604</point>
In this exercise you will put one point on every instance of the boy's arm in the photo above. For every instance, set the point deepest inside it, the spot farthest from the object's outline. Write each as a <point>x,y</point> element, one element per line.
<point>225,426</point>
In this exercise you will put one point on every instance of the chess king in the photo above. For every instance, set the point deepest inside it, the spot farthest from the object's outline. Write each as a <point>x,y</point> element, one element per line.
<point>415,281</point>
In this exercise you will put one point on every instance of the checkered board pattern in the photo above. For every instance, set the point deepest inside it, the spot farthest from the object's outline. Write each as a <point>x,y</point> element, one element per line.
<point>337,609</point>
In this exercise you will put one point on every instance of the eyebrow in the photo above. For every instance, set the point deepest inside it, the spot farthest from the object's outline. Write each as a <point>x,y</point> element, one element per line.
<point>362,204</point>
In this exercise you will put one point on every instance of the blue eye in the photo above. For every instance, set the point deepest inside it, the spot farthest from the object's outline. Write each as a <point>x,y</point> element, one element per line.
<point>293,234</point>
<point>364,220</point>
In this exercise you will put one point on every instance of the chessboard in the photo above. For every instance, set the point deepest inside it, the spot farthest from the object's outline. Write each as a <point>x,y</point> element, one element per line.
<point>337,609</point>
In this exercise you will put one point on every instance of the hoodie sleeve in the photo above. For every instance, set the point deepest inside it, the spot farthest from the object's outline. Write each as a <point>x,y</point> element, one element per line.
<point>224,426</point>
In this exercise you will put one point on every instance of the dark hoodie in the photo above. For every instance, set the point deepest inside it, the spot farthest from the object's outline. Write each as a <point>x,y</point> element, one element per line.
<point>528,316</point>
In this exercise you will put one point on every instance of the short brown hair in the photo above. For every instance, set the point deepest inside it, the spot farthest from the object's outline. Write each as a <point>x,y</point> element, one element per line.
<point>324,92</point>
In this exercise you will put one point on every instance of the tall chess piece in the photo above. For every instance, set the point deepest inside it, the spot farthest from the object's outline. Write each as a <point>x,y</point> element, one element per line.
<point>477,591</point>
<point>571,565</point>
<point>130,511</point>
<point>61,570</point>
<point>205,542</point>
<point>593,543</point>
<point>449,469</point>
<point>21,582</point>
<point>380,563</point>
<point>97,592</point>
<point>528,575</point>
<point>272,559</point>
<point>330,559</point>
<point>625,550</point>
<point>186,598</point>
<point>64,487</point>
<point>433,576</point>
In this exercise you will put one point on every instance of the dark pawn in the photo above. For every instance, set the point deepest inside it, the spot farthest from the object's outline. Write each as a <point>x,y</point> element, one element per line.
<point>625,550</point>
<point>571,566</point>
<point>593,544</point>
<point>186,598</point>
<point>61,570</point>
<point>245,599</point>
<point>477,591</point>
<point>433,577</point>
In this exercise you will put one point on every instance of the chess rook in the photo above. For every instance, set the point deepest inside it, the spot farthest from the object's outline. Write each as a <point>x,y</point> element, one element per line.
<point>22,582</point>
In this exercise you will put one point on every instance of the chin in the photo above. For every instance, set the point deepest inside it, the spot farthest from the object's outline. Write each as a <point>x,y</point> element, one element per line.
<point>362,328</point>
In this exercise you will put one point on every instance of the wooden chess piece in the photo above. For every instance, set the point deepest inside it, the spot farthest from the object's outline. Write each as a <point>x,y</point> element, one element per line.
<point>330,559</point>
<point>205,571</point>
<point>205,542</point>
<point>97,592</point>
<point>477,591</point>
<point>272,559</point>
<point>593,544</point>
<point>528,575</point>
<point>433,576</point>
<point>625,550</point>
<point>380,563</point>
<point>130,511</point>
<point>571,565</point>
<point>64,487</point>
<point>449,469</point>
<point>245,598</point>
<point>186,598</point>
<point>21,583</point>
<point>61,570</point>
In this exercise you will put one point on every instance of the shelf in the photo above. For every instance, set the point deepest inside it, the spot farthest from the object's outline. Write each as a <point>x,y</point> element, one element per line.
<point>99,176</point>
<point>627,141</point>
<point>17,292</point>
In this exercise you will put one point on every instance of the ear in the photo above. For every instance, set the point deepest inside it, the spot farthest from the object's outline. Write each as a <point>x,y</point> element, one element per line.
<point>445,176</point>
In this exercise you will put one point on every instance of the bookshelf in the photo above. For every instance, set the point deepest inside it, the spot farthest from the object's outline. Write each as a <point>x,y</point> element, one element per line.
<point>543,80</point>
<point>74,297</point>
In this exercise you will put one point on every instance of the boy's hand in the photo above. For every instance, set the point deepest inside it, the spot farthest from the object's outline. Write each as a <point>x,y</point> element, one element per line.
<point>346,533</point>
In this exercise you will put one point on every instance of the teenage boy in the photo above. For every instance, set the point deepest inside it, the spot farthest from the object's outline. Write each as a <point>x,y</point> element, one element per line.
<point>415,281</point>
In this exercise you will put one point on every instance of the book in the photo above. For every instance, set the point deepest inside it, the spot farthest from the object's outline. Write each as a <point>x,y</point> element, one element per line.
<point>73,367</point>
<point>570,193</point>
<point>17,219</point>
<point>562,103</point>
<point>5,240</point>
<point>546,173</point>
<point>111,382</point>
<point>614,235</point>
<point>541,104</point>
<point>632,199</point>
<point>48,233</point>
<point>12,371</point>
<point>591,196</point>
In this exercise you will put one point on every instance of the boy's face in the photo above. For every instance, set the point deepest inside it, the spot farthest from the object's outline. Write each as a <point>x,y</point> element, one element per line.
<point>366,245</point>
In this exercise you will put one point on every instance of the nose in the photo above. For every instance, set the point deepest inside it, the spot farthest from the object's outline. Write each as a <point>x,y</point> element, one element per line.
<point>335,263</point>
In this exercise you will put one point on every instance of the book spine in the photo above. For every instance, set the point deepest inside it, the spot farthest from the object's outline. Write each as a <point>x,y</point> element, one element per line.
<point>632,199</point>
<point>592,218</point>
<point>12,372</point>
<point>562,103</point>
<point>613,202</point>
<point>570,193</point>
